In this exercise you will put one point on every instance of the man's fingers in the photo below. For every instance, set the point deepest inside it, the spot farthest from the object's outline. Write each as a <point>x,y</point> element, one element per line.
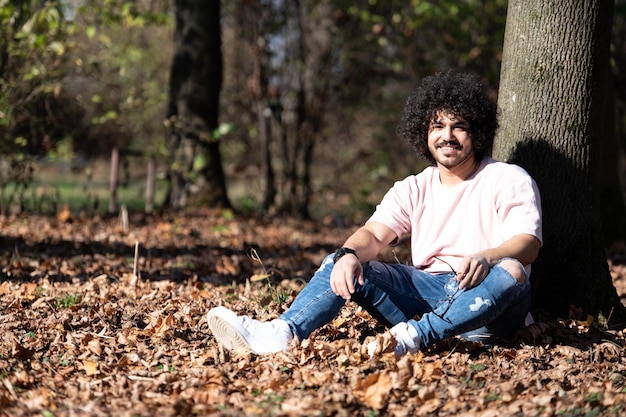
<point>361,280</point>
<point>350,285</point>
<point>341,288</point>
<point>472,279</point>
<point>343,279</point>
<point>466,281</point>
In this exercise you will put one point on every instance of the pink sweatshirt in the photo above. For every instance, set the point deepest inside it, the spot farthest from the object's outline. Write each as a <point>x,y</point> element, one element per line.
<point>497,202</point>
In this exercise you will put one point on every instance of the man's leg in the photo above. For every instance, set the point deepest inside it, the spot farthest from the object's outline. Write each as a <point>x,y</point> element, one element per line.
<point>494,308</point>
<point>389,294</point>
<point>314,306</point>
<point>395,293</point>
<point>392,294</point>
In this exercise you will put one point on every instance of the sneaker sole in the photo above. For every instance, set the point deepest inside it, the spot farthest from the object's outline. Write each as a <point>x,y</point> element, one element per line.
<point>227,334</point>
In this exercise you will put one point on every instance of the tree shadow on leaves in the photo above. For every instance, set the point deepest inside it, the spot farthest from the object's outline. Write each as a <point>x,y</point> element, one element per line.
<point>65,260</point>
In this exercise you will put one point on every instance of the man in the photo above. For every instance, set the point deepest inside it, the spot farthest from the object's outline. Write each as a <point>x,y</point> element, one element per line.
<point>475,227</point>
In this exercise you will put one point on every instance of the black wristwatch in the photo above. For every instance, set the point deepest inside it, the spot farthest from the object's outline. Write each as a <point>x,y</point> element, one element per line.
<point>343,251</point>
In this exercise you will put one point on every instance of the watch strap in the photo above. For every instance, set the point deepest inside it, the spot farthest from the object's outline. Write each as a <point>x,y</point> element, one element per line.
<point>344,251</point>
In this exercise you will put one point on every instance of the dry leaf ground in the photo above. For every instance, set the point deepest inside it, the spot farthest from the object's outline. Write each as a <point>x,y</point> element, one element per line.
<point>82,335</point>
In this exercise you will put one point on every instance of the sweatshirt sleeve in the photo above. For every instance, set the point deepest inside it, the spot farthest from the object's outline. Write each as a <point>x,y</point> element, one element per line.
<point>394,210</point>
<point>519,208</point>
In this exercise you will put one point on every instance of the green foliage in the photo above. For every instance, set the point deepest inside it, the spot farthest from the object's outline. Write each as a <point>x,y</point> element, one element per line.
<point>476,367</point>
<point>54,57</point>
<point>593,398</point>
<point>34,50</point>
<point>88,74</point>
<point>270,293</point>
<point>124,55</point>
<point>418,37</point>
<point>67,301</point>
<point>223,130</point>
<point>493,396</point>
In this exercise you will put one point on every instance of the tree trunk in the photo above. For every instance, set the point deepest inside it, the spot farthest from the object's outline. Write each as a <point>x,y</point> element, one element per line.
<point>113,181</point>
<point>553,123</point>
<point>195,84</point>
<point>265,136</point>
<point>258,88</point>
<point>150,180</point>
<point>314,48</point>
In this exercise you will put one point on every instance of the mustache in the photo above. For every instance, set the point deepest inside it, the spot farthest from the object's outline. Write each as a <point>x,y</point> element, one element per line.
<point>452,143</point>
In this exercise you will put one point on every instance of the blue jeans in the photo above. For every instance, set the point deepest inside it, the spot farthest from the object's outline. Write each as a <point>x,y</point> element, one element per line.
<point>394,293</point>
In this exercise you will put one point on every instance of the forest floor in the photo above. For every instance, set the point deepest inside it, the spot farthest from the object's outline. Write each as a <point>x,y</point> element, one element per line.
<point>104,317</point>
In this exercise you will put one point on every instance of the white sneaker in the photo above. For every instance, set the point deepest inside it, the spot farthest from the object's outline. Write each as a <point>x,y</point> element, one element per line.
<point>243,334</point>
<point>407,338</point>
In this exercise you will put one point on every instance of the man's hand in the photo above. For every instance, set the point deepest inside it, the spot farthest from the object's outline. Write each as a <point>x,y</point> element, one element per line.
<point>342,276</point>
<point>472,271</point>
<point>474,268</point>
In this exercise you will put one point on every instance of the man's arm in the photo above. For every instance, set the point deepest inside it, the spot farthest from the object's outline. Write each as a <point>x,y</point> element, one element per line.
<point>474,268</point>
<point>523,247</point>
<point>367,241</point>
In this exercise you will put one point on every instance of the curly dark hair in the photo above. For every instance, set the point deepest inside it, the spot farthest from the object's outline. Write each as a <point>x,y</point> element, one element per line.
<point>460,94</point>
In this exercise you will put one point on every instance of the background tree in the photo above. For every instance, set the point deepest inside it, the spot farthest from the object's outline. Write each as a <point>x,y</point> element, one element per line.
<point>287,77</point>
<point>555,122</point>
<point>328,82</point>
<point>193,105</point>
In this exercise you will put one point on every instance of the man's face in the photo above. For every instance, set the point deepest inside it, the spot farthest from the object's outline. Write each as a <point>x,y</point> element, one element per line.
<point>449,141</point>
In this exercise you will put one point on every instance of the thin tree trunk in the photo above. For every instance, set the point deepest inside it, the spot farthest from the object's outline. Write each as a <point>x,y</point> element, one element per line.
<point>258,89</point>
<point>265,133</point>
<point>113,182</point>
<point>150,179</point>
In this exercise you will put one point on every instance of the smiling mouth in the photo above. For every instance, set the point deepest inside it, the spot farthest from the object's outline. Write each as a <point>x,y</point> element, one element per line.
<point>449,145</point>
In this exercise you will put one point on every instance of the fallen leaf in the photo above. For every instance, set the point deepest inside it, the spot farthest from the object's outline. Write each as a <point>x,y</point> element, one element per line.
<point>90,367</point>
<point>374,389</point>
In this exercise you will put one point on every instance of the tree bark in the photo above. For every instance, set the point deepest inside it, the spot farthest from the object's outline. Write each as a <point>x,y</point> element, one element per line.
<point>553,123</point>
<point>195,84</point>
